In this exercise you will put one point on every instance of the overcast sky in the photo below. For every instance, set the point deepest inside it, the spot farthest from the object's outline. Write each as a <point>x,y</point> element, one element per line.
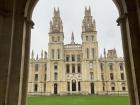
<point>72,12</point>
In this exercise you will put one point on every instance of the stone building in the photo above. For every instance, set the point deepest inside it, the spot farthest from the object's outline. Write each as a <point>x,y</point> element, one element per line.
<point>15,31</point>
<point>76,68</point>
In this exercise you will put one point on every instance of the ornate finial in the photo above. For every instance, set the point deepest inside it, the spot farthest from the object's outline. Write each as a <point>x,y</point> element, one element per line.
<point>32,55</point>
<point>45,53</point>
<point>50,26</point>
<point>58,9</point>
<point>42,54</point>
<point>89,8</point>
<point>50,23</point>
<point>104,52</point>
<point>72,38</point>
<point>94,22</point>
<point>87,11</point>
<point>85,8</point>
<point>37,57</point>
<point>54,10</point>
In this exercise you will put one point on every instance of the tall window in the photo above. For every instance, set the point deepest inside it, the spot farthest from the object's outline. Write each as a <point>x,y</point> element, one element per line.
<point>93,53</point>
<point>35,87</point>
<point>73,57</point>
<point>36,77</point>
<point>55,76</point>
<point>91,75</point>
<point>101,65</point>
<point>44,87</point>
<point>79,68</point>
<point>55,66</point>
<point>73,68</point>
<point>79,86</point>
<point>103,86</point>
<point>123,87</point>
<point>36,67</point>
<point>73,85</point>
<point>58,53</point>
<point>122,76</point>
<point>68,86</point>
<point>45,67</point>
<point>67,68</point>
<point>45,77</point>
<point>111,76</point>
<point>113,86</point>
<point>78,57</point>
<point>110,66</point>
<point>52,53</point>
<point>86,38</point>
<point>67,57</point>
<point>121,66</point>
<point>102,76</point>
<point>87,53</point>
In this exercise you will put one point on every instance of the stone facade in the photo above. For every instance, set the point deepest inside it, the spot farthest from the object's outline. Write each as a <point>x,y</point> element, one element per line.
<point>76,68</point>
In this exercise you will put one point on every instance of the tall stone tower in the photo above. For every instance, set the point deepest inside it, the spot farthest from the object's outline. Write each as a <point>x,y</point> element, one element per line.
<point>55,51</point>
<point>90,63</point>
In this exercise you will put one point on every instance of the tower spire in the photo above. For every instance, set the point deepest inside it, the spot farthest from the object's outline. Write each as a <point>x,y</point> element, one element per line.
<point>32,54</point>
<point>45,54</point>
<point>72,38</point>
<point>37,57</point>
<point>104,53</point>
<point>56,24</point>
<point>56,12</point>
<point>88,24</point>
<point>42,54</point>
<point>87,11</point>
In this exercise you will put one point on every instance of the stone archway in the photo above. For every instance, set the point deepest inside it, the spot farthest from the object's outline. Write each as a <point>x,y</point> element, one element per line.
<point>15,27</point>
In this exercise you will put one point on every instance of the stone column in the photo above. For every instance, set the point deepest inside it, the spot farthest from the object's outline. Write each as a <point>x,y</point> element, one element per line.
<point>17,61</point>
<point>29,25</point>
<point>123,22</point>
<point>134,45</point>
<point>6,35</point>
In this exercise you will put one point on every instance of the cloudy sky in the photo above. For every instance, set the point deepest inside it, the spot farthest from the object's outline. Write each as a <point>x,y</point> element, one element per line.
<point>72,12</point>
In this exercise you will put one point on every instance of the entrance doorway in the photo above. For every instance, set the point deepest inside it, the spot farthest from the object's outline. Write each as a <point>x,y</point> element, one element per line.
<point>92,88</point>
<point>73,85</point>
<point>55,88</point>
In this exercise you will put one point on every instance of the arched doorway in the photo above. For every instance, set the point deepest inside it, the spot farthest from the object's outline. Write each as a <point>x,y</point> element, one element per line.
<point>73,85</point>
<point>55,88</point>
<point>92,88</point>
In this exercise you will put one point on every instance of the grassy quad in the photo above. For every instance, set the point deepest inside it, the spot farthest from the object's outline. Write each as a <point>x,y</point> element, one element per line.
<point>78,100</point>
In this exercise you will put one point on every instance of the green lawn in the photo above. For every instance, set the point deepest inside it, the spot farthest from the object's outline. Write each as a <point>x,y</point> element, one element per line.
<point>78,100</point>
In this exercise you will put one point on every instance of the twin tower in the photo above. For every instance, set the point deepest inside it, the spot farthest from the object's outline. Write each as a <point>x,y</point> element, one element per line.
<point>56,35</point>
<point>73,68</point>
